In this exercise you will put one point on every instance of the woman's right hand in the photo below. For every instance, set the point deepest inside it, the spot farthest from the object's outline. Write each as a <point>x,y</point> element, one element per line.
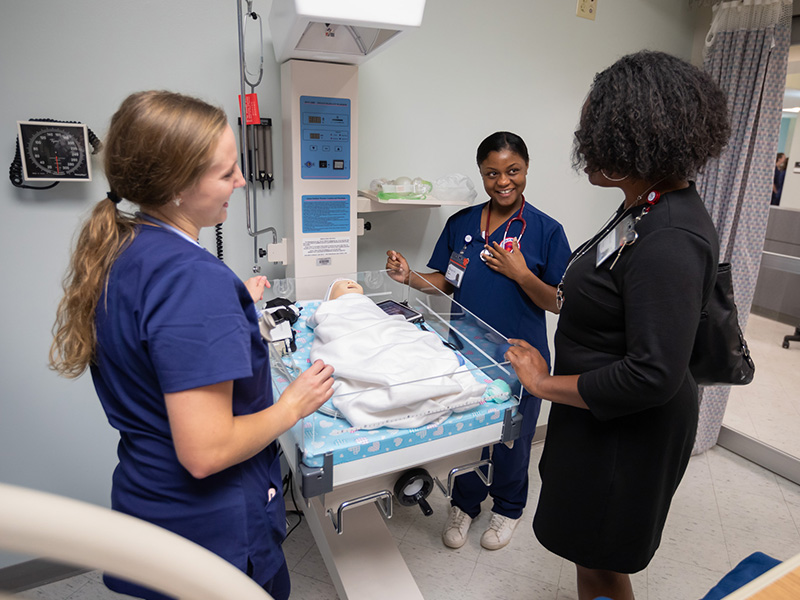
<point>529,365</point>
<point>534,375</point>
<point>255,285</point>
<point>397,266</point>
<point>312,388</point>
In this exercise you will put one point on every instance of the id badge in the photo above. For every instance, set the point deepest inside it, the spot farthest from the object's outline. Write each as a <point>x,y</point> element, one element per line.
<point>612,241</point>
<point>456,268</point>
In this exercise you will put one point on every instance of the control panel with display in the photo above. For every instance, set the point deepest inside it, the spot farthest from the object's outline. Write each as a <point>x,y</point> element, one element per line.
<point>325,137</point>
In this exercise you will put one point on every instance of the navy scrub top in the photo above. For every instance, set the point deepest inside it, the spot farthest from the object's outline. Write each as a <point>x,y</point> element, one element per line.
<point>491,296</point>
<point>175,318</point>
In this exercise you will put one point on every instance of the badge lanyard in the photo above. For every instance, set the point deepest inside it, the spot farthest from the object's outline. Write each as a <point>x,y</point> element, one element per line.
<point>625,233</point>
<point>508,242</point>
<point>622,233</point>
<point>458,264</point>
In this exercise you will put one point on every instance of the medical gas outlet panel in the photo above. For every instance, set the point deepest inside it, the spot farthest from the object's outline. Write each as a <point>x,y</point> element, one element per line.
<point>325,135</point>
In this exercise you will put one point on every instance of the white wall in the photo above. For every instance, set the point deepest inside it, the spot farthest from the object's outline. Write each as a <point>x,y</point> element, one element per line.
<point>473,68</point>
<point>523,66</point>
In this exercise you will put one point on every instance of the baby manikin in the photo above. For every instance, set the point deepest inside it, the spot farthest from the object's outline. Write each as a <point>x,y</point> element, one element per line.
<point>388,372</point>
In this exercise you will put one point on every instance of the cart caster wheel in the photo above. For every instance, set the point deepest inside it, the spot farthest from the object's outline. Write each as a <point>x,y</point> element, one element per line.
<point>785,344</point>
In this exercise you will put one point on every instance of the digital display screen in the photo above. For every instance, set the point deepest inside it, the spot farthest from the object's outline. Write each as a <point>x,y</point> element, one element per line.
<point>391,307</point>
<point>314,120</point>
<point>314,136</point>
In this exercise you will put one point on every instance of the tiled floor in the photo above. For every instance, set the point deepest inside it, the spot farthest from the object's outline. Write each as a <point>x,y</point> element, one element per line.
<point>725,509</point>
<point>769,408</point>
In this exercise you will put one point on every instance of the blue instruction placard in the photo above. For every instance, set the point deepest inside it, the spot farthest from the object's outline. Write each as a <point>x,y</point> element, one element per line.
<point>326,214</point>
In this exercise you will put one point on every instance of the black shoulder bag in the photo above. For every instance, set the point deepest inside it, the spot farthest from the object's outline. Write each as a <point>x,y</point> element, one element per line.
<point>720,355</point>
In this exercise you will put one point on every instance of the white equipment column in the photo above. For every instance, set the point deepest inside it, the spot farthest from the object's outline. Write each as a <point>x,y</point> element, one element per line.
<point>320,134</point>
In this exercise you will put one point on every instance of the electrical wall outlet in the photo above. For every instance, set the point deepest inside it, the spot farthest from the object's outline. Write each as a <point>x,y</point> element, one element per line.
<point>587,9</point>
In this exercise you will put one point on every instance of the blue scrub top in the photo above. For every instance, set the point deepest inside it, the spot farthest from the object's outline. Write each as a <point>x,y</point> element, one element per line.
<point>493,297</point>
<point>174,318</point>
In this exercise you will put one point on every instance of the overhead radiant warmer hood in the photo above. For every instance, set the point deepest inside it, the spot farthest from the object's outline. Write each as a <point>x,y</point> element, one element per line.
<point>339,31</point>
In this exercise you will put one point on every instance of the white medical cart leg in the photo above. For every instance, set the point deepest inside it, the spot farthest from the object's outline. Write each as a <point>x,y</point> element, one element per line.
<point>365,541</point>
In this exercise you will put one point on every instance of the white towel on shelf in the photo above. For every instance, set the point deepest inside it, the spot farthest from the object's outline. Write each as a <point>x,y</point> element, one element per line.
<point>374,355</point>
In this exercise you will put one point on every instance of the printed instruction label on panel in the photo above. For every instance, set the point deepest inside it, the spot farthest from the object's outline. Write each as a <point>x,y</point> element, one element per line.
<point>326,213</point>
<point>326,246</point>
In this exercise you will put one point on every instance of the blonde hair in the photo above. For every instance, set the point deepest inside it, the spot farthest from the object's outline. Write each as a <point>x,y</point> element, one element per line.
<point>159,144</point>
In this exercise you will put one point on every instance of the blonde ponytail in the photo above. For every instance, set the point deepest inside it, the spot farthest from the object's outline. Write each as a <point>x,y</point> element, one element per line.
<point>102,238</point>
<point>159,143</point>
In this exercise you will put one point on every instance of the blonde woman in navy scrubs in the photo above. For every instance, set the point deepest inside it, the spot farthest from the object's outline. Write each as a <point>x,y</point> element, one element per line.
<point>171,337</point>
<point>508,258</point>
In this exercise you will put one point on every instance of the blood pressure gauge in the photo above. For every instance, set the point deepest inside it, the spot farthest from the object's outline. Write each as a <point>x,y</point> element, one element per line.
<point>54,151</point>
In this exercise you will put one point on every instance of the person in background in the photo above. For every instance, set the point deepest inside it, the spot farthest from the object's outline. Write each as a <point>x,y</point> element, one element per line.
<point>781,162</point>
<point>624,404</point>
<point>171,337</point>
<point>501,261</point>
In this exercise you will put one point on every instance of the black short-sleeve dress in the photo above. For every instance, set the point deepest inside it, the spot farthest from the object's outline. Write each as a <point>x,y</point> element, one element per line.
<point>609,473</point>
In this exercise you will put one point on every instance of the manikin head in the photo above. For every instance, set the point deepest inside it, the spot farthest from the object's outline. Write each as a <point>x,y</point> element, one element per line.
<point>340,287</point>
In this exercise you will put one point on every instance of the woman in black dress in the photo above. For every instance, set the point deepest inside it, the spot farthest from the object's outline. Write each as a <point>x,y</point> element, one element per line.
<point>624,413</point>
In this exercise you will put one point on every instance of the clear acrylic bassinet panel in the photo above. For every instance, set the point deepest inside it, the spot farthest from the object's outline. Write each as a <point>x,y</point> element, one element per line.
<point>389,391</point>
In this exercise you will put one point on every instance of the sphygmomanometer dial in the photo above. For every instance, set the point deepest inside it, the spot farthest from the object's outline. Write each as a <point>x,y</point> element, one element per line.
<point>54,151</point>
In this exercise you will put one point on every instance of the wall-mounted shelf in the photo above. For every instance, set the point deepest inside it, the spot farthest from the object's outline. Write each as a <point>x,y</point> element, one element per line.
<point>368,202</point>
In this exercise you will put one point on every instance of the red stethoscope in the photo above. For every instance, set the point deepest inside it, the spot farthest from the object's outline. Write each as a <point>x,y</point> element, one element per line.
<point>508,242</point>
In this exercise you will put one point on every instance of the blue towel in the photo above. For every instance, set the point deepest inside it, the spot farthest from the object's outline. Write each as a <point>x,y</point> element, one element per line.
<point>751,567</point>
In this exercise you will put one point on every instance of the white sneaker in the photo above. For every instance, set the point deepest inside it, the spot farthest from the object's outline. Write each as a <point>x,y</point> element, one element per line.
<point>456,528</point>
<point>499,533</point>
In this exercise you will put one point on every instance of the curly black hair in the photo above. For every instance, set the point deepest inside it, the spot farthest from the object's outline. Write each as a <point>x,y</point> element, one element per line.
<point>651,115</point>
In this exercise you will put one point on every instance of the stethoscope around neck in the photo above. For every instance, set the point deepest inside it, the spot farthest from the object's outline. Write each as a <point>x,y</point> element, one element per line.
<point>508,242</point>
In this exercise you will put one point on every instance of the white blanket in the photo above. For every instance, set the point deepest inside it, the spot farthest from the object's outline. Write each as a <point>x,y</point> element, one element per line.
<point>375,355</point>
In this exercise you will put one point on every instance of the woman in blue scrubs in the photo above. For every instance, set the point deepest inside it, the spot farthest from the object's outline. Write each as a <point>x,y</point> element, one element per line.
<point>171,337</point>
<point>501,260</point>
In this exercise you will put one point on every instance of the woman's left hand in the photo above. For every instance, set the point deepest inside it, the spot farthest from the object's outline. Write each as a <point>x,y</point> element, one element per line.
<point>529,365</point>
<point>256,285</point>
<point>509,263</point>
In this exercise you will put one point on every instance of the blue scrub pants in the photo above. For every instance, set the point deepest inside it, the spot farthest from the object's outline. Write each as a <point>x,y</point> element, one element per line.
<point>509,488</point>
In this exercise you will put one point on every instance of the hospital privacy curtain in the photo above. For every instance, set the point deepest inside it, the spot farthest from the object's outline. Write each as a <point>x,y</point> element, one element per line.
<point>747,49</point>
